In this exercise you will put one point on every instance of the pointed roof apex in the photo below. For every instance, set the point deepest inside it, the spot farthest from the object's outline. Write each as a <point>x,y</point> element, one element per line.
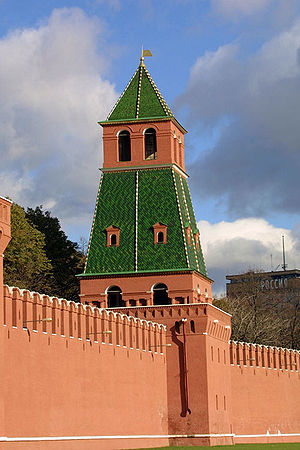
<point>140,100</point>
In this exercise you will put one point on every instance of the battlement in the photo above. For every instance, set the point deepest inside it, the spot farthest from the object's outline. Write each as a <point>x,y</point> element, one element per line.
<point>40,313</point>
<point>201,318</point>
<point>245,354</point>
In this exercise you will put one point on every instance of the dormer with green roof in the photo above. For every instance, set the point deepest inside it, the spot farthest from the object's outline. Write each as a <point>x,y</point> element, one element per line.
<point>144,196</point>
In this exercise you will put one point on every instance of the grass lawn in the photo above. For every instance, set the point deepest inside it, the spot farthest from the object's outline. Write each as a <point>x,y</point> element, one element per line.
<point>294,446</point>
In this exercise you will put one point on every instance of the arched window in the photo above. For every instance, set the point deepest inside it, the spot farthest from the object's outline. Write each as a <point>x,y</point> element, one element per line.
<point>160,297</point>
<point>150,143</point>
<point>113,239</point>
<point>124,146</point>
<point>160,233</point>
<point>114,297</point>
<point>160,237</point>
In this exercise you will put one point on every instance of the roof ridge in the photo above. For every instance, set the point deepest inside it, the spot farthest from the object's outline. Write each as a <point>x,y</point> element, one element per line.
<point>139,93</point>
<point>127,86</point>
<point>158,94</point>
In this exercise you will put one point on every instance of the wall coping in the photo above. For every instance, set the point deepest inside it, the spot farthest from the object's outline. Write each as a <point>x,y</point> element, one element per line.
<point>6,199</point>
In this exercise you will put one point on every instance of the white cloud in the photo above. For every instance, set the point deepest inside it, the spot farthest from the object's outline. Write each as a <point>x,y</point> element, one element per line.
<point>235,247</point>
<point>234,8</point>
<point>53,91</point>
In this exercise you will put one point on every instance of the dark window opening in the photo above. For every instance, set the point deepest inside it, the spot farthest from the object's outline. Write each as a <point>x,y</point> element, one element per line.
<point>113,240</point>
<point>192,326</point>
<point>177,327</point>
<point>160,237</point>
<point>124,146</point>
<point>150,144</point>
<point>160,296</point>
<point>114,297</point>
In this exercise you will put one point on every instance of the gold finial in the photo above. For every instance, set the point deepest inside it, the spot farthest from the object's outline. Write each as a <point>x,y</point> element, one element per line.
<point>144,53</point>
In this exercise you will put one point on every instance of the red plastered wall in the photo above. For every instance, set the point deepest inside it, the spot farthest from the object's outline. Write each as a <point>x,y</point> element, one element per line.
<point>54,385</point>
<point>265,393</point>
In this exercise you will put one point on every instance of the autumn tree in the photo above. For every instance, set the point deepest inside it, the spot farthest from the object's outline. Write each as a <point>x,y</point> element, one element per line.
<point>26,264</point>
<point>269,318</point>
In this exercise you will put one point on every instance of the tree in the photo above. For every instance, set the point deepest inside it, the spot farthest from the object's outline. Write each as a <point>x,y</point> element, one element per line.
<point>64,255</point>
<point>26,264</point>
<point>269,318</point>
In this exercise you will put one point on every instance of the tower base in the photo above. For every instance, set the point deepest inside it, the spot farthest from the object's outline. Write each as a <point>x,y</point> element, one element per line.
<point>145,289</point>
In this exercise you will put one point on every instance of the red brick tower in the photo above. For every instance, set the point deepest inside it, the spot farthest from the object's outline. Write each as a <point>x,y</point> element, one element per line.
<point>145,245</point>
<point>145,259</point>
<point>5,237</point>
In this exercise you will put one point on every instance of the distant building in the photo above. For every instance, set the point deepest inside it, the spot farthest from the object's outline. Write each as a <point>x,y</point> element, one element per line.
<point>281,283</point>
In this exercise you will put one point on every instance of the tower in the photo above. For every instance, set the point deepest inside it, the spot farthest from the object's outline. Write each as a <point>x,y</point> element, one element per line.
<point>5,235</point>
<point>144,246</point>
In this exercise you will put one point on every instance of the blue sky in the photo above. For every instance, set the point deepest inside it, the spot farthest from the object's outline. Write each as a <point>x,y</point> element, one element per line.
<point>229,70</point>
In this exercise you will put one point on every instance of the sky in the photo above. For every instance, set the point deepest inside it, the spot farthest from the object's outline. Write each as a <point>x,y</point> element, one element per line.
<point>229,70</point>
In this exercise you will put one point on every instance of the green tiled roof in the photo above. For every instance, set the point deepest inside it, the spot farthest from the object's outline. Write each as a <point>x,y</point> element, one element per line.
<point>134,201</point>
<point>195,255</point>
<point>115,206</point>
<point>157,203</point>
<point>141,99</point>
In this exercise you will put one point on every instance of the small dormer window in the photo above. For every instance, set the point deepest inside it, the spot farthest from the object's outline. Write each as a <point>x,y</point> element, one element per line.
<point>188,233</point>
<point>160,233</point>
<point>112,236</point>
<point>150,143</point>
<point>160,237</point>
<point>196,237</point>
<point>124,146</point>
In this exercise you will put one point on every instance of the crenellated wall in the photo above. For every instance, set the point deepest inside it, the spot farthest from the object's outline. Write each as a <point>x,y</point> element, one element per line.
<point>265,393</point>
<point>198,371</point>
<point>86,374</point>
<point>76,377</point>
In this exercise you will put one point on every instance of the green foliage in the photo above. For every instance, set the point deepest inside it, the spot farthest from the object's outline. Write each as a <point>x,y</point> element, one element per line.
<point>65,258</point>
<point>26,264</point>
<point>221,303</point>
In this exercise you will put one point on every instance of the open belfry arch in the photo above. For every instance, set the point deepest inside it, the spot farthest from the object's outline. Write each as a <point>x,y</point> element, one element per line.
<point>144,231</point>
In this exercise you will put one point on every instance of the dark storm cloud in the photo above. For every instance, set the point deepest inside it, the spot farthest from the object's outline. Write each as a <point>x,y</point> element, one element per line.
<point>255,104</point>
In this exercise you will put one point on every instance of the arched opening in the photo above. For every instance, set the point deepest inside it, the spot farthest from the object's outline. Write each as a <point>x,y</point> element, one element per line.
<point>124,146</point>
<point>160,294</point>
<point>150,143</point>
<point>114,297</point>
<point>113,240</point>
<point>160,237</point>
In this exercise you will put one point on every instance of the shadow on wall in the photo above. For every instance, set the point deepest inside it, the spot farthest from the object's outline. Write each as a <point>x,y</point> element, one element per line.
<point>181,345</point>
